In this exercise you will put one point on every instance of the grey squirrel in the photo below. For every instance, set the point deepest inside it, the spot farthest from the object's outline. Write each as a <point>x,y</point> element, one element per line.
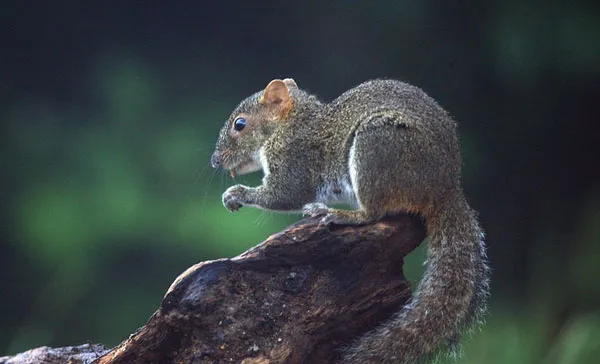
<point>385,147</point>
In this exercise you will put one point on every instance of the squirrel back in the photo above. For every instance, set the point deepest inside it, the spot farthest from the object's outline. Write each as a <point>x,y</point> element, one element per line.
<point>386,148</point>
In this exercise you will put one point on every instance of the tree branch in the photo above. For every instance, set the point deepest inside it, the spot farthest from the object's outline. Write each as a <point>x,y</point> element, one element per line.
<point>298,297</point>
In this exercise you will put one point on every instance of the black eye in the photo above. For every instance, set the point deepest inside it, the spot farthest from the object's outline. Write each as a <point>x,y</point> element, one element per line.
<point>239,124</point>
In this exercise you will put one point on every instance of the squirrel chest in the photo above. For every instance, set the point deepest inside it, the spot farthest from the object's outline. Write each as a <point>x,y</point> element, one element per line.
<point>337,191</point>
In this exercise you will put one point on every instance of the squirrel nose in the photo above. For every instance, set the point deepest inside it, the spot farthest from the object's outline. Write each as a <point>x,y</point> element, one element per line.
<point>215,160</point>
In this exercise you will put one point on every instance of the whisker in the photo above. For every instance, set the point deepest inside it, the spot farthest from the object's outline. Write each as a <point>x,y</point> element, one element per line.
<point>207,185</point>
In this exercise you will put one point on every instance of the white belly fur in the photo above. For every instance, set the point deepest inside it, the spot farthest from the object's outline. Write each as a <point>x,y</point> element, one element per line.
<point>327,194</point>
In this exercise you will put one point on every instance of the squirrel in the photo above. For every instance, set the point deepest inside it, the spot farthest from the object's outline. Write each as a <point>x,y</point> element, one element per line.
<point>384,147</point>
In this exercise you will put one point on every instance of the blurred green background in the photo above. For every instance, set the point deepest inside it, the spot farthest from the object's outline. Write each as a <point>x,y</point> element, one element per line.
<point>110,110</point>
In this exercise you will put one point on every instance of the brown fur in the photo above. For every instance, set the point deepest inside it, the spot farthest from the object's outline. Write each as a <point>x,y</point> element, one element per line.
<point>386,147</point>
<point>277,98</point>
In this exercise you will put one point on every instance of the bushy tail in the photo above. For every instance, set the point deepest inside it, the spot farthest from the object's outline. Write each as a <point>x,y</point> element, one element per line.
<point>450,299</point>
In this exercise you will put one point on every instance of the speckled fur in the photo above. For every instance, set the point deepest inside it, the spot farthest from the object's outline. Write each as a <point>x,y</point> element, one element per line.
<point>398,151</point>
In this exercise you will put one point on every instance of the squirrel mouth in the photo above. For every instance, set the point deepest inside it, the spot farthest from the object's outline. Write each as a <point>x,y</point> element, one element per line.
<point>244,167</point>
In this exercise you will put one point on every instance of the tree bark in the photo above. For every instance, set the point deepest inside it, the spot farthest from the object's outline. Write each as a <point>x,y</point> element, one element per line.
<point>70,354</point>
<point>301,296</point>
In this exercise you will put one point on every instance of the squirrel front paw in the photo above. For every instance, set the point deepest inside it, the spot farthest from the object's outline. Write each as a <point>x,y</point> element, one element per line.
<point>315,209</point>
<point>234,197</point>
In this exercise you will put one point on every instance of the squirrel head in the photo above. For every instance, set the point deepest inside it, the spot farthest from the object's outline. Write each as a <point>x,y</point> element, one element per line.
<point>250,125</point>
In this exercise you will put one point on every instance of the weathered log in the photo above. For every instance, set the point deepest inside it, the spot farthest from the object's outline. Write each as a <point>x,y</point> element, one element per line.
<point>45,355</point>
<point>298,297</point>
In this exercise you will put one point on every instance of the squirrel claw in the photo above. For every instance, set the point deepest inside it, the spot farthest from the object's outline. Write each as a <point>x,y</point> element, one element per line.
<point>334,219</point>
<point>233,198</point>
<point>327,220</point>
<point>315,209</point>
<point>231,204</point>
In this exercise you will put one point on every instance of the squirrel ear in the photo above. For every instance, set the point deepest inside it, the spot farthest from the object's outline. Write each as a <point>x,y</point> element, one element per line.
<point>277,96</point>
<point>290,83</point>
<point>275,93</point>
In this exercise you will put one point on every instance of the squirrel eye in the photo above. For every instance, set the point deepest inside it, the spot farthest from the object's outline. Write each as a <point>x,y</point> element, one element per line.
<point>239,124</point>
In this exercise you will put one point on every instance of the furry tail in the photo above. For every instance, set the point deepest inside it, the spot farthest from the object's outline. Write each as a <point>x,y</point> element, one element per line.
<point>451,297</point>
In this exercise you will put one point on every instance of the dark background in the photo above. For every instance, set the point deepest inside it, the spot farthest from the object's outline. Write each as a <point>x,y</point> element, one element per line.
<point>110,110</point>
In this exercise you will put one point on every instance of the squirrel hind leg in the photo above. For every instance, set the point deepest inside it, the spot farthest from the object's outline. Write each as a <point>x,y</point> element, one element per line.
<point>391,170</point>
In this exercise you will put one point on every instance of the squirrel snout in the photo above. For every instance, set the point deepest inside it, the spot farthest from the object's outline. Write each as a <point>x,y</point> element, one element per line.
<point>215,160</point>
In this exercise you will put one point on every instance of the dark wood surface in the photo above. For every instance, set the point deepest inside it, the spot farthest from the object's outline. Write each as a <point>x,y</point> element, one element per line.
<point>298,297</point>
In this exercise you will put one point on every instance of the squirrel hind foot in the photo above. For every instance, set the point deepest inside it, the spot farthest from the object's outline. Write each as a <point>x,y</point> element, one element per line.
<point>336,216</point>
<point>315,209</point>
<point>347,217</point>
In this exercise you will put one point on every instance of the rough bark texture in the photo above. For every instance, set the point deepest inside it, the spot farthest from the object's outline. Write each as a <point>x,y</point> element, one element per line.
<point>298,297</point>
<point>70,354</point>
